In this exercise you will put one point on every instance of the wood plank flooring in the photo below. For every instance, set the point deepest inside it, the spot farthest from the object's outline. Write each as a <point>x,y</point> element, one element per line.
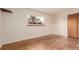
<point>48,42</point>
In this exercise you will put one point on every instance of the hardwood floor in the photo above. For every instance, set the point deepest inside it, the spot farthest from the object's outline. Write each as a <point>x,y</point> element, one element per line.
<point>49,42</point>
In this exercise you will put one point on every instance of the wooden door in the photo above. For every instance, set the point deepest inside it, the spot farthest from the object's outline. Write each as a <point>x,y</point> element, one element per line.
<point>78,25</point>
<point>72,25</point>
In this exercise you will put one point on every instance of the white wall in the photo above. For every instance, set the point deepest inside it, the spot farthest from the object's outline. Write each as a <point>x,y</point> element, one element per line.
<point>0,30</point>
<point>60,22</point>
<point>15,27</point>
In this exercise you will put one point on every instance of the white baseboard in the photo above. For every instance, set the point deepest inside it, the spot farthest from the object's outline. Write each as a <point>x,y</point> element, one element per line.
<point>8,42</point>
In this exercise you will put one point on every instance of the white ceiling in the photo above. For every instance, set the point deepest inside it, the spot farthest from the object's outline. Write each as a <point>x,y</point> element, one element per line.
<point>50,10</point>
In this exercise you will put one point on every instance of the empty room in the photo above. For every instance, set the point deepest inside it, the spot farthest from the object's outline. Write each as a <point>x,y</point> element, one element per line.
<point>39,28</point>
